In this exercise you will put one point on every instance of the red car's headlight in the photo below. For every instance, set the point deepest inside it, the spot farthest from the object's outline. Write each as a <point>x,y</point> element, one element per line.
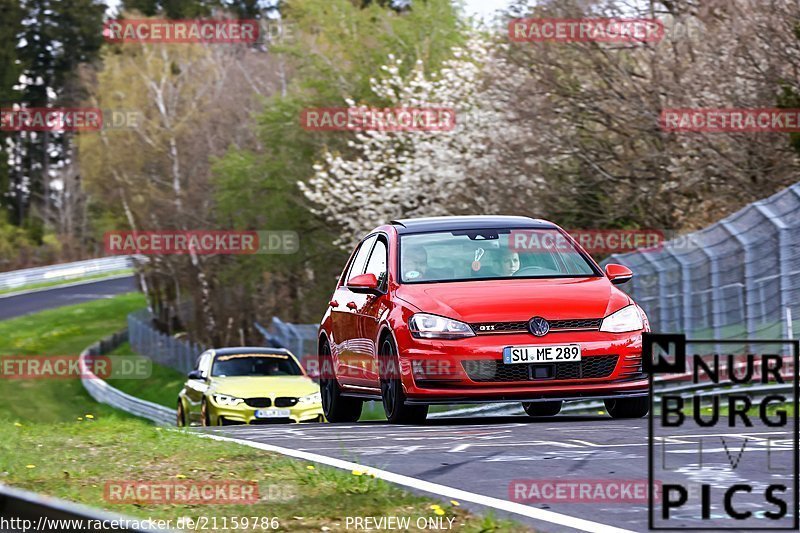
<point>626,319</point>
<point>425,326</point>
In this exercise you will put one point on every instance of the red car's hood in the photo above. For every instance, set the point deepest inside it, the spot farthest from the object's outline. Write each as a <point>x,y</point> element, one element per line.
<point>514,300</point>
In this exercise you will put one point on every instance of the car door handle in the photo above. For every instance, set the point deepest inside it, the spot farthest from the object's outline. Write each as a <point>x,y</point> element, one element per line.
<point>333,303</point>
<point>352,305</point>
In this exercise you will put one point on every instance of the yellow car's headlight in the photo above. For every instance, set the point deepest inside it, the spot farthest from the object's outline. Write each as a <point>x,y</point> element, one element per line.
<point>228,401</point>
<point>310,399</point>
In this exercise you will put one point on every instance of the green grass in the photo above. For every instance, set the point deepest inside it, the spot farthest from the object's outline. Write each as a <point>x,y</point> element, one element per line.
<point>55,440</point>
<point>162,387</point>
<point>75,460</point>
<point>63,331</point>
<point>46,284</point>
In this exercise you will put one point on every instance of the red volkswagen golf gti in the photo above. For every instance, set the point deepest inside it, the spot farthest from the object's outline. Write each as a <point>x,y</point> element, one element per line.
<point>477,309</point>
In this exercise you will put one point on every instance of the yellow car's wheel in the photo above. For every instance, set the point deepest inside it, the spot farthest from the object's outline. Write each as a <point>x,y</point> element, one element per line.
<point>204,413</point>
<point>181,415</point>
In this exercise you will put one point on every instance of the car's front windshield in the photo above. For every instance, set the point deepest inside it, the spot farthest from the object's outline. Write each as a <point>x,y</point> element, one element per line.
<point>255,365</point>
<point>490,254</point>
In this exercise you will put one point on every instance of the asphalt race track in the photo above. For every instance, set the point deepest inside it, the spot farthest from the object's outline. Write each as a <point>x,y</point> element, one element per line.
<point>484,454</point>
<point>23,304</point>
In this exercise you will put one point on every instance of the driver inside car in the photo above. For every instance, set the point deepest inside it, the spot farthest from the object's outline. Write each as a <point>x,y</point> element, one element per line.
<point>509,262</point>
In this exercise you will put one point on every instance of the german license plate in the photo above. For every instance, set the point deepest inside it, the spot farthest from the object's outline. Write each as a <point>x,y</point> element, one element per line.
<point>541,354</point>
<point>272,413</point>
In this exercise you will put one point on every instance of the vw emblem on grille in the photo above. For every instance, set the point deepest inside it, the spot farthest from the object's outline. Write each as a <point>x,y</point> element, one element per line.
<point>538,326</point>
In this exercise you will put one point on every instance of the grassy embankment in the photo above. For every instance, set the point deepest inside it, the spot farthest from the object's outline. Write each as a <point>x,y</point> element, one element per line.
<point>54,439</point>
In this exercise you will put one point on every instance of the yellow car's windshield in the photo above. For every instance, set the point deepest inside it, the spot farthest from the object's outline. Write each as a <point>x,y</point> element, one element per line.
<point>255,365</point>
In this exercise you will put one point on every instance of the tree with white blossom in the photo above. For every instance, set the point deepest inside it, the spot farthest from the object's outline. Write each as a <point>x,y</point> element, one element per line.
<point>392,174</point>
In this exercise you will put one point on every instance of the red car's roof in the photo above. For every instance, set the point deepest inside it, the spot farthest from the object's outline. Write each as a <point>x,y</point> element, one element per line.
<point>455,223</point>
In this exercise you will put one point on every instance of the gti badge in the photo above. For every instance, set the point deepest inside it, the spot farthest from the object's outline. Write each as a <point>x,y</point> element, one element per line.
<point>538,326</point>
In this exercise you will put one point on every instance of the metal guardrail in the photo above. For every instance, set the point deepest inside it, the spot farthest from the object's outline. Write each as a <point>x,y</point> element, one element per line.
<point>104,393</point>
<point>300,339</point>
<point>65,271</point>
<point>21,510</point>
<point>737,278</point>
<point>162,348</point>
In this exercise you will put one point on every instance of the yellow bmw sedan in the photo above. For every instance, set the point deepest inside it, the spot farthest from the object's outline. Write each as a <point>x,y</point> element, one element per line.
<point>248,386</point>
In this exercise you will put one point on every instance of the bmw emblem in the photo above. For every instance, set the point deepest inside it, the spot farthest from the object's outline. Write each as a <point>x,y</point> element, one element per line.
<point>539,326</point>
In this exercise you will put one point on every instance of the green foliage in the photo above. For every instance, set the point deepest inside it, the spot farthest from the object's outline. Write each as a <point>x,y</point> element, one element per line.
<point>339,46</point>
<point>789,98</point>
<point>186,9</point>
<point>333,49</point>
<point>56,38</point>
<point>11,15</point>
<point>20,246</point>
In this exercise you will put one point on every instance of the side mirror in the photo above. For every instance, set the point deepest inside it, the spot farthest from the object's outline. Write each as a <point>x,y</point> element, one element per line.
<point>618,274</point>
<point>364,284</point>
<point>196,374</point>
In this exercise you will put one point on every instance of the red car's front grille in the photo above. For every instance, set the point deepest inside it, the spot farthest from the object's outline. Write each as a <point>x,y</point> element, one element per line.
<point>495,370</point>
<point>573,324</point>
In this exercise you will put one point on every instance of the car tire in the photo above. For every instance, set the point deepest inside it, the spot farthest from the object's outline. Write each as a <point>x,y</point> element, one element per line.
<point>536,409</point>
<point>628,407</point>
<point>206,418</point>
<point>337,408</point>
<point>181,415</point>
<point>397,412</point>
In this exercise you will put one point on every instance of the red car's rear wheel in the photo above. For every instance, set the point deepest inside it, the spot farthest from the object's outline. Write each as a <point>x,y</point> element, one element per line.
<point>337,408</point>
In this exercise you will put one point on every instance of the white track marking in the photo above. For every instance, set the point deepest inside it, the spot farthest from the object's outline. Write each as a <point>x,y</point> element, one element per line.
<point>434,488</point>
